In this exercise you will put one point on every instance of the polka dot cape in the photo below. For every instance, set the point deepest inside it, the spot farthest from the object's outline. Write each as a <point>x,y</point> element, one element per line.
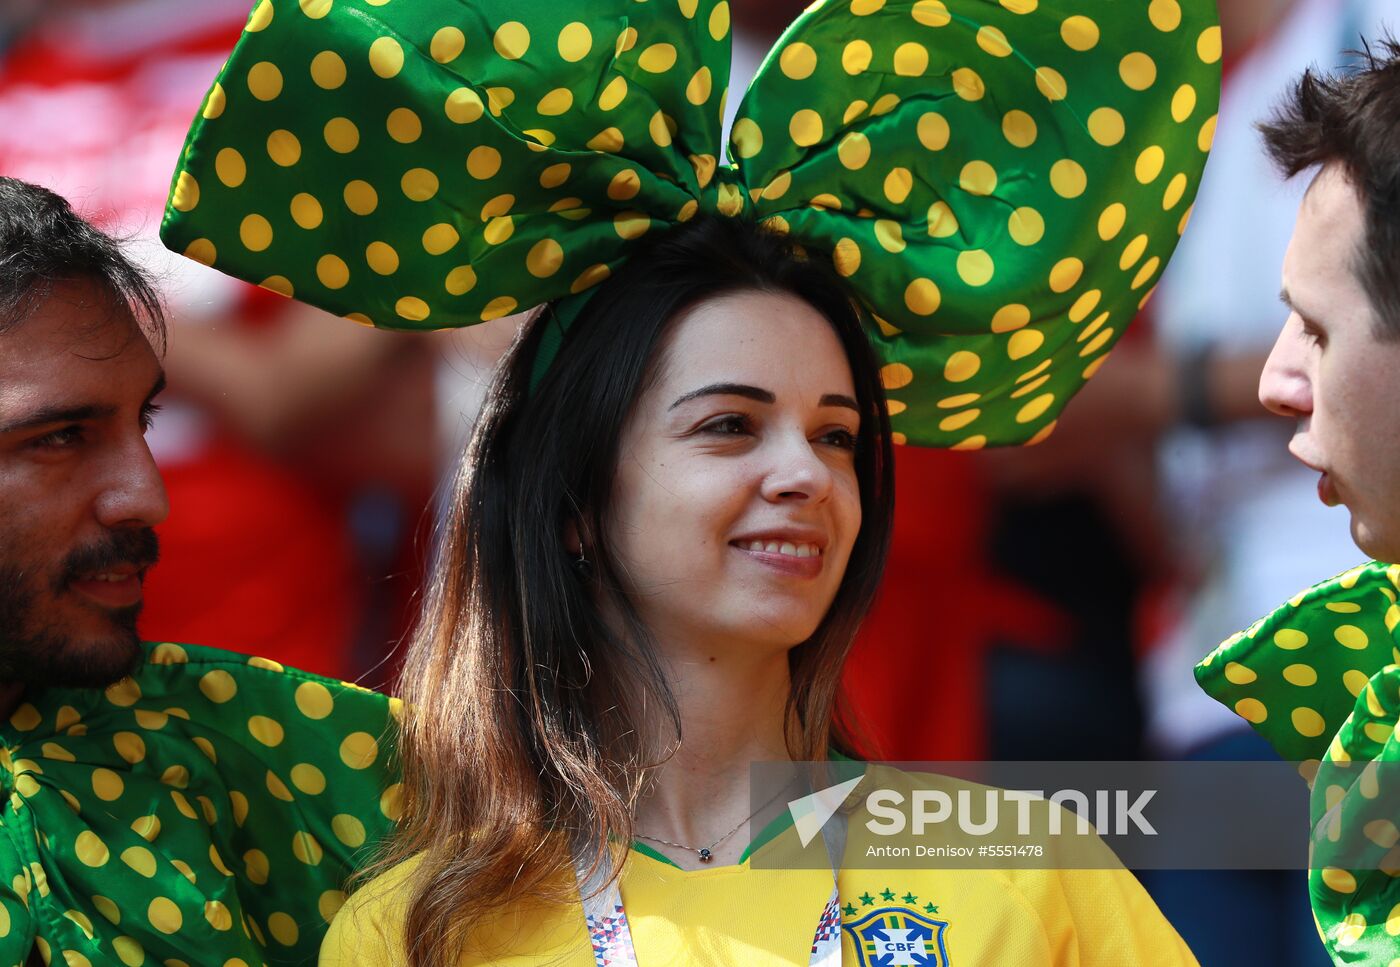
<point>1320,680</point>
<point>206,811</point>
<point>1001,183</point>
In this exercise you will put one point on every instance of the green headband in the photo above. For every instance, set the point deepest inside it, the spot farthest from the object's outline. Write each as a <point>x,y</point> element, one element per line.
<point>1000,183</point>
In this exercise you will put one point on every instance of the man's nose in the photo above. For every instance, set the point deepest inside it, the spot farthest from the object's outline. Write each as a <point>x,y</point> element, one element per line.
<point>134,495</point>
<point>1285,386</point>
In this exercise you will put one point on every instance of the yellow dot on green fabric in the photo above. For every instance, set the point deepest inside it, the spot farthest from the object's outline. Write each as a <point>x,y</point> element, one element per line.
<point>1022,343</point>
<point>109,910</point>
<point>910,60</point>
<point>306,210</point>
<point>1010,318</point>
<point>185,196</point>
<point>341,135</point>
<point>497,206</point>
<point>922,297</point>
<point>463,106</point>
<point>483,162</point>
<point>1079,33</point>
<point>71,958</point>
<point>129,951</point>
<point>361,198</point>
<point>255,232</point>
<point>968,84</point>
<point>1208,46</point>
<point>283,929</point>
<point>1290,639</point>
<point>1164,14</point>
<point>556,102</point>
<point>1112,220</point>
<point>312,698</point>
<point>1149,164</point>
<point>495,309</point>
<point>259,19</point>
<point>1138,71</point>
<point>1019,128</point>
<point>277,787</point>
<point>386,57</point>
<point>1026,225</point>
<point>1085,304</point>
<point>264,81</point>
<point>864,8</point>
<point>91,850</point>
<point>1308,722</point>
<point>805,128</point>
<point>412,308</point>
<point>129,746</point>
<point>1066,274</point>
<point>1350,636</point>
<point>308,778</point>
<point>798,61</point>
<point>846,257</point>
<point>141,860</point>
<point>256,866</point>
<point>359,749</point>
<point>404,126</point>
<point>958,420</point>
<point>575,42</point>
<point>306,848</point>
<point>662,129</point>
<point>315,9</point>
<point>609,140</point>
<point>933,131</point>
<point>658,58</point>
<point>511,40</point>
<point>719,20</point>
<point>333,273</point>
<point>215,103</point>
<point>890,235</point>
<point>1338,880</point>
<point>52,750</point>
<point>896,376</point>
<point>856,57</point>
<point>460,280</point>
<point>931,13</point>
<point>1133,252</point>
<point>976,267</point>
<point>284,148</point>
<point>1148,270</point>
<point>440,238</point>
<point>447,45</point>
<point>700,87</point>
<point>778,187</point>
<point>328,70</point>
<point>499,229</point>
<point>1301,675</point>
<point>349,830</point>
<point>418,184</point>
<point>1036,408</point>
<point>383,260</point>
<point>217,915</point>
<point>747,138</point>
<point>978,178</point>
<point>942,223</point>
<point>1238,674</point>
<point>1068,179</point>
<point>961,366</point>
<point>545,258</point>
<point>1051,83</point>
<point>230,167</point>
<point>898,184</point>
<point>1207,137</point>
<point>1183,103</point>
<point>1106,126</point>
<point>993,41</point>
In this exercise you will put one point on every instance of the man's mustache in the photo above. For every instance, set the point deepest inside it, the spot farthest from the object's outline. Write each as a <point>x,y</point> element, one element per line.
<point>135,547</point>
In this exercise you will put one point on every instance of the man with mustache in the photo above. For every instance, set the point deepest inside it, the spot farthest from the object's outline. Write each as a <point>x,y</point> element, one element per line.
<point>159,802</point>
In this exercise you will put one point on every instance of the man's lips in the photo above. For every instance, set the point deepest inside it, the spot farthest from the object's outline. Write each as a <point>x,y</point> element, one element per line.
<point>1327,491</point>
<point>117,587</point>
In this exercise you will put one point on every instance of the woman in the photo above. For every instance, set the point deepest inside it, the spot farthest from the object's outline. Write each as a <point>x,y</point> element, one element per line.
<point>675,508</point>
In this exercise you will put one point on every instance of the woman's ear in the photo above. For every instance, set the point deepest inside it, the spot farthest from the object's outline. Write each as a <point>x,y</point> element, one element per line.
<point>573,544</point>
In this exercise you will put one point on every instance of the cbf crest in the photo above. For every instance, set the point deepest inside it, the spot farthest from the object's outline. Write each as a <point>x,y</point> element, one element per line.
<point>897,936</point>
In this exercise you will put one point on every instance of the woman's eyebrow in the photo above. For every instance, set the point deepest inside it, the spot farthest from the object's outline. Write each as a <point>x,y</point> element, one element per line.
<point>727,389</point>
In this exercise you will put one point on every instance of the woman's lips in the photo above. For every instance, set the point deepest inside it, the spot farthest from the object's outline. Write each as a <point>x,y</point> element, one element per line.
<point>790,564</point>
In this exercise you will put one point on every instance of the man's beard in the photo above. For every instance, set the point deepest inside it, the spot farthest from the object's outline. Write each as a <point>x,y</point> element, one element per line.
<point>36,654</point>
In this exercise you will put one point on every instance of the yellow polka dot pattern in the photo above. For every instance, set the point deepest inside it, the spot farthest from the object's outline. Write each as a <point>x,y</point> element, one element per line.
<point>162,837</point>
<point>1320,679</point>
<point>946,154</point>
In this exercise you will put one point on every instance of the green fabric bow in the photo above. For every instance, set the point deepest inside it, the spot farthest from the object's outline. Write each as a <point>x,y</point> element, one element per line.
<point>1000,183</point>
<point>206,811</point>
<point>1320,680</point>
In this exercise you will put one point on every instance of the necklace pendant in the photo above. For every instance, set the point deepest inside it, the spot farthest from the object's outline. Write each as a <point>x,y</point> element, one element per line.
<point>705,856</point>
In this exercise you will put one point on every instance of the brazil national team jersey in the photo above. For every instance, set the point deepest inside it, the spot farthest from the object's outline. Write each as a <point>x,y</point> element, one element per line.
<point>740,915</point>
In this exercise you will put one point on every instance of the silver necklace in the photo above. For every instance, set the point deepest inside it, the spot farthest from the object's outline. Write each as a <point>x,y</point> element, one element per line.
<point>706,853</point>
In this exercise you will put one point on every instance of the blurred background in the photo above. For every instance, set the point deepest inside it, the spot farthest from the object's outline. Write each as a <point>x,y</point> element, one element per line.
<point>1049,602</point>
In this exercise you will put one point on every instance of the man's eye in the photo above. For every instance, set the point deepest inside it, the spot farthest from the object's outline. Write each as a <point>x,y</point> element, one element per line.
<point>148,415</point>
<point>62,439</point>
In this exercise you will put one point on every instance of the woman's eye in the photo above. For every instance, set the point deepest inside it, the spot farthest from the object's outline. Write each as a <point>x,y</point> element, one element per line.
<point>844,439</point>
<point>728,425</point>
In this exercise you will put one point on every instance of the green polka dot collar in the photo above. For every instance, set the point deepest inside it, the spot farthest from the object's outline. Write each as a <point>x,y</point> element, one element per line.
<point>1320,680</point>
<point>1001,183</point>
<point>206,811</point>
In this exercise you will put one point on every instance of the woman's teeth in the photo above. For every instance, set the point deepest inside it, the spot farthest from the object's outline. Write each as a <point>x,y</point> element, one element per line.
<point>783,547</point>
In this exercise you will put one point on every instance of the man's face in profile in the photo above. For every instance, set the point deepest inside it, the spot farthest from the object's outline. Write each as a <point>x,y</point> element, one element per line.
<point>79,492</point>
<point>1334,371</point>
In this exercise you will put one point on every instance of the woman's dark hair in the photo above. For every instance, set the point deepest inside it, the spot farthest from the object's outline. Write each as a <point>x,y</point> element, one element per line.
<point>526,743</point>
<point>1353,117</point>
<point>42,243</point>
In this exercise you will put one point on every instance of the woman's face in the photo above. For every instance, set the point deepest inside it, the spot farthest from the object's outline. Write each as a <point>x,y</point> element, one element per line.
<point>736,503</point>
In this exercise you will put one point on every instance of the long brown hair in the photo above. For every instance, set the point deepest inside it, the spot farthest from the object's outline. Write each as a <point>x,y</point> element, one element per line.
<point>523,742</point>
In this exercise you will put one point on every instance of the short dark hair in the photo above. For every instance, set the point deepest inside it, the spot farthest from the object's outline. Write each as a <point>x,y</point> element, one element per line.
<point>43,242</point>
<point>1352,117</point>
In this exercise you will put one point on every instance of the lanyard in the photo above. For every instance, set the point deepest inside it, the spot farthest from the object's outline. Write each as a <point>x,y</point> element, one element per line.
<point>611,937</point>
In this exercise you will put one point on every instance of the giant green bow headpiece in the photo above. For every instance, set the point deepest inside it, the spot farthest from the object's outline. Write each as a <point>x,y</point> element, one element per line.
<point>1000,183</point>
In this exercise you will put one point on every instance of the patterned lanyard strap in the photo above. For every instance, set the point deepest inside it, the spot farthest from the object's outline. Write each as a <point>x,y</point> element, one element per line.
<point>611,936</point>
